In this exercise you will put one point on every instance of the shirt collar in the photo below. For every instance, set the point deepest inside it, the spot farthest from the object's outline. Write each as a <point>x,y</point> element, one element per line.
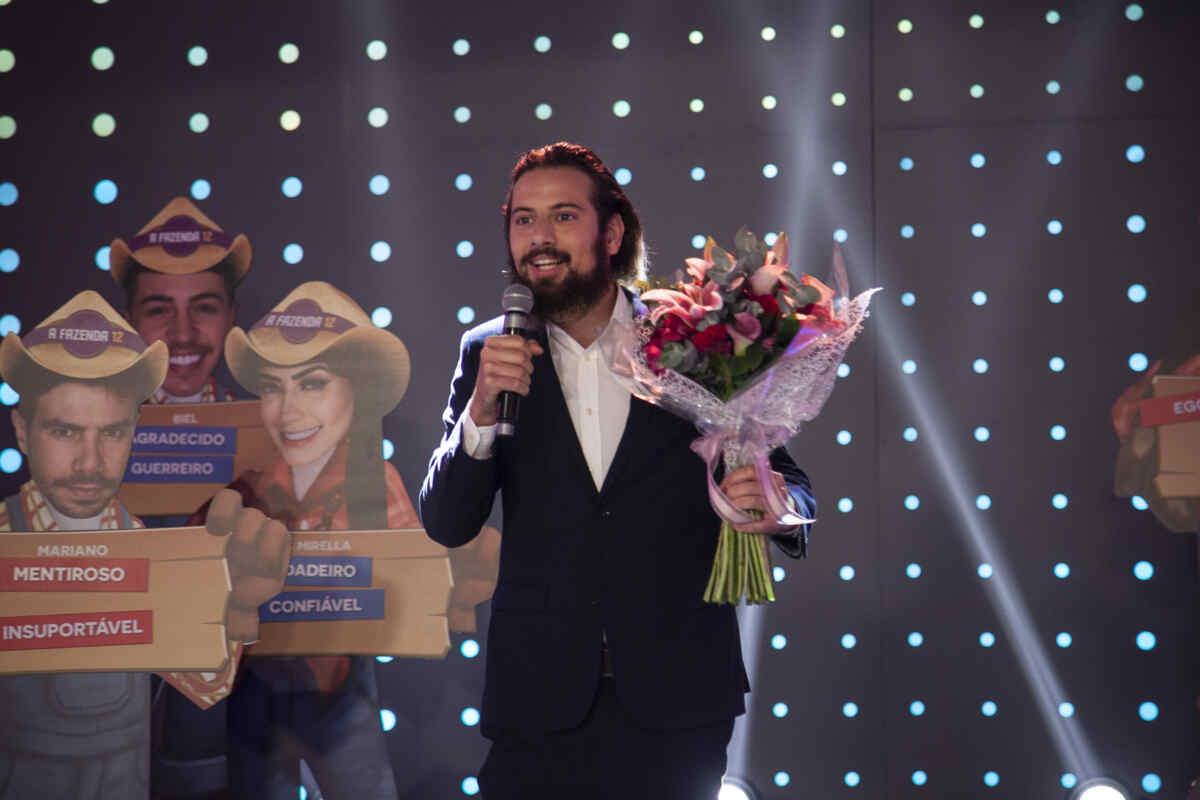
<point>622,314</point>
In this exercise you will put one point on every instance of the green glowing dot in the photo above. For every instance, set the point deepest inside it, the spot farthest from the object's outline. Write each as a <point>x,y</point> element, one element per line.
<point>838,99</point>
<point>697,105</point>
<point>976,21</point>
<point>837,31</point>
<point>197,56</point>
<point>8,127</point>
<point>769,102</point>
<point>905,95</point>
<point>104,124</point>
<point>103,58</point>
<point>289,53</point>
<point>904,26</point>
<point>289,120</point>
<point>198,122</point>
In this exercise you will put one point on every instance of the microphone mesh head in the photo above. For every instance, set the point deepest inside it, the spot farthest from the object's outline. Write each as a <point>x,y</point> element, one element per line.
<point>517,297</point>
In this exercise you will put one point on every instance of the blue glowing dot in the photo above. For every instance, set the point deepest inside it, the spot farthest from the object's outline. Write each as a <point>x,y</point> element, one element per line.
<point>990,778</point>
<point>982,434</point>
<point>770,238</point>
<point>470,786</point>
<point>987,639</point>
<point>462,181</point>
<point>1143,570</point>
<point>1054,227</point>
<point>1066,709</point>
<point>978,160</point>
<point>1054,157</point>
<point>10,460</point>
<point>913,570</point>
<point>916,708</point>
<point>978,230</point>
<point>782,779</point>
<point>980,365</point>
<point>1058,433</point>
<point>293,253</point>
<point>466,315</point>
<point>1055,296</point>
<point>846,573</point>
<point>698,173</point>
<point>1059,501</point>
<point>1068,780</point>
<point>1136,293</point>
<point>844,437</point>
<point>9,323</point>
<point>379,184</point>
<point>1151,782</point>
<point>201,189</point>
<point>983,502</point>
<point>698,241</point>
<point>623,176</point>
<point>845,505</point>
<point>384,659</point>
<point>907,231</point>
<point>919,777</point>
<point>462,114</point>
<point>388,449</point>
<point>1063,639</point>
<point>381,251</point>
<point>1146,640</point>
<point>469,648</point>
<point>852,779</point>
<point>1136,223</point>
<point>840,235</point>
<point>988,709</point>
<point>8,395</point>
<point>1133,12</point>
<point>1139,502</point>
<point>9,260</point>
<point>778,574</point>
<point>908,299</point>
<point>850,709</point>
<point>906,164</point>
<point>292,187</point>
<point>780,710</point>
<point>8,193</point>
<point>1062,570</point>
<point>387,718</point>
<point>1057,364</point>
<point>1148,711</point>
<point>542,44</point>
<point>912,502</point>
<point>469,716</point>
<point>849,640</point>
<point>101,258</point>
<point>910,434</point>
<point>908,367</point>
<point>979,298</point>
<point>105,192</point>
<point>381,317</point>
<point>770,171</point>
<point>1135,153</point>
<point>778,641</point>
<point>839,168</point>
<point>915,639</point>
<point>1053,17</point>
<point>843,370</point>
<point>1134,83</point>
<point>1053,87</point>
<point>984,570</point>
<point>461,47</point>
<point>1138,362</point>
<point>464,249</point>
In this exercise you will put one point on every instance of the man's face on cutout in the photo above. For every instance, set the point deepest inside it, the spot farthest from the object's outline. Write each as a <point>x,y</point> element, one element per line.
<point>192,314</point>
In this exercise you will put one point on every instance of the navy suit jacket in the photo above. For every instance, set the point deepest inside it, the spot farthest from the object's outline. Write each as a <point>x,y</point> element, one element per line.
<point>631,560</point>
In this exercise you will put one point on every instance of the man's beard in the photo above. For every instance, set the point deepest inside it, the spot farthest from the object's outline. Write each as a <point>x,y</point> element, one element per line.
<point>577,292</point>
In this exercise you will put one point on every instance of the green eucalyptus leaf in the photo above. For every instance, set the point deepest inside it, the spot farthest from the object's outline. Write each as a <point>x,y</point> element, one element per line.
<point>745,241</point>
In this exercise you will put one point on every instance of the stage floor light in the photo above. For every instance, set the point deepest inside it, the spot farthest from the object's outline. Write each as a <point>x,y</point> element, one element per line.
<point>736,789</point>
<point>1099,789</point>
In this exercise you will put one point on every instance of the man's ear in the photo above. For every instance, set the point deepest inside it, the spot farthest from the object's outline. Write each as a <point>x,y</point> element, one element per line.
<point>614,231</point>
<point>18,423</point>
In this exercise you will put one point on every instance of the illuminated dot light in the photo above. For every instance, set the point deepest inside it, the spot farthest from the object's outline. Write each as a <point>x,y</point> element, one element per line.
<point>1133,12</point>
<point>1053,17</point>
<point>198,122</point>
<point>837,31</point>
<point>919,777</point>
<point>976,90</point>
<point>768,34</point>
<point>1054,157</point>
<point>980,366</point>
<point>7,60</point>
<point>291,187</point>
<point>905,95</point>
<point>1138,362</point>
<point>978,160</point>
<point>377,117</point>
<point>9,397</point>
<point>852,779</point>
<point>904,26</point>
<point>1063,640</point>
<point>382,251</point>
<point>289,120</point>
<point>388,448</point>
<point>105,192</point>
<point>916,708</point>
<point>782,779</point>
<point>695,37</point>
<point>984,571</point>
<point>1151,782</point>
<point>978,230</point>
<point>913,570</point>
<point>1062,570</point>
<point>623,176</point>
<point>845,505</point>
<point>1055,296</point>
<point>1139,502</point>
<point>1136,223</point>
<point>838,99</point>
<point>987,639</point>
<point>779,710</point>
<point>10,259</point>
<point>1148,711</point>
<point>770,171</point>
<point>1057,364</point>
<point>376,50</point>
<point>470,786</point>
<point>990,778</point>
<point>101,258</point>
<point>778,574</point>
<point>620,40</point>
<point>910,434</point>
<point>197,56</point>
<point>1143,570</point>
<point>770,238</point>
<point>843,370</point>
<point>465,249</point>
<point>983,502</point>
<point>9,323</point>
<point>542,44</point>
<point>698,241</point>
<point>469,648</point>
<point>379,184</point>
<point>1068,780</point>
<point>621,108</point>
<point>912,503</point>
<point>908,299</point>
<point>289,53</point>
<point>1066,710</point>
<point>698,173</point>
<point>844,437</point>
<point>988,709</point>
<point>462,114</point>
<point>1145,640</point>
<point>982,434</point>
<point>908,367</point>
<point>542,111</point>
<point>10,460</point>
<point>461,47</point>
<point>1059,501</point>
<point>1136,293</point>
<point>1134,83</point>
<point>8,193</point>
<point>1054,227</point>
<point>907,231</point>
<point>907,164</point>
<point>846,573</point>
<point>201,189</point>
<point>839,168</point>
<point>8,126</point>
<point>387,719</point>
<point>979,297</point>
<point>469,716</point>
<point>976,21</point>
<point>840,235</point>
<point>915,639</point>
<point>103,58</point>
<point>466,315</point>
<point>696,105</point>
<point>104,124</point>
<point>769,102</point>
<point>462,181</point>
<point>778,641</point>
<point>1053,87</point>
<point>850,709</point>
<point>1135,153</point>
<point>292,253</point>
<point>849,640</point>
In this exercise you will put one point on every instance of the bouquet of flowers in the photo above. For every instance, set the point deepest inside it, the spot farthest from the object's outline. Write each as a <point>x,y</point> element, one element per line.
<point>747,351</point>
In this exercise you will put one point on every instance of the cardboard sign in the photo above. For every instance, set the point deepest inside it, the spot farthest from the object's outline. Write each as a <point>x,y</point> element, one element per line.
<point>185,453</point>
<point>133,600</point>
<point>1178,443</point>
<point>360,593</point>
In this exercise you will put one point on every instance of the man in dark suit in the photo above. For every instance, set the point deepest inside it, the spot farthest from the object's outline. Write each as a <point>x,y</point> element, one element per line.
<point>607,674</point>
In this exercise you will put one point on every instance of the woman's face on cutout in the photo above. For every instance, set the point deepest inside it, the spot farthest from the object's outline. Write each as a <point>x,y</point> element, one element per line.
<point>306,409</point>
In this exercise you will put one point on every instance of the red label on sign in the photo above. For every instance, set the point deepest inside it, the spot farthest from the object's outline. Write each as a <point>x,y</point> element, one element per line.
<point>89,629</point>
<point>1170,409</point>
<point>74,574</point>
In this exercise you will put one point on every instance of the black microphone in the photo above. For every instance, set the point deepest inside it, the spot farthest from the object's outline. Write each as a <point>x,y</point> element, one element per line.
<point>517,302</point>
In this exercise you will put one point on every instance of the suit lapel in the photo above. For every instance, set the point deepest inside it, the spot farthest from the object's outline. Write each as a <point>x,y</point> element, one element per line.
<point>545,383</point>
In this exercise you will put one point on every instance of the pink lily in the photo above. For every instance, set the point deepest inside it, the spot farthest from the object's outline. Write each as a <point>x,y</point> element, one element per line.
<point>744,332</point>
<point>690,305</point>
<point>765,278</point>
<point>698,268</point>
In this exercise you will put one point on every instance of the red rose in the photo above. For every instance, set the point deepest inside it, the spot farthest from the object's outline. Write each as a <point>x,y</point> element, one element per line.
<point>767,302</point>
<point>710,338</point>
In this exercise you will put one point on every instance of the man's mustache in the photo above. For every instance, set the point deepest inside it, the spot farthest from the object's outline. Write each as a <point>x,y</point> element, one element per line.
<point>87,479</point>
<point>558,255</point>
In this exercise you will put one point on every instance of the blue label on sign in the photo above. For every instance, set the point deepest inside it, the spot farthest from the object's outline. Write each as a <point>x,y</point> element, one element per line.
<point>184,439</point>
<point>179,469</point>
<point>335,604</point>
<point>327,571</point>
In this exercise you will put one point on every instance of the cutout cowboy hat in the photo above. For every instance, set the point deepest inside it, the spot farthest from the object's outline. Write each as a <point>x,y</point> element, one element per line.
<point>179,240</point>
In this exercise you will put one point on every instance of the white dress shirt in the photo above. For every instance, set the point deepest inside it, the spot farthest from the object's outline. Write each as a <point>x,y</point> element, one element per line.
<point>597,399</point>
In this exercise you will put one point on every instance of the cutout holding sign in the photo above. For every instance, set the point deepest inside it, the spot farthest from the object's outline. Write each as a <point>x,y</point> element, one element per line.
<point>1174,413</point>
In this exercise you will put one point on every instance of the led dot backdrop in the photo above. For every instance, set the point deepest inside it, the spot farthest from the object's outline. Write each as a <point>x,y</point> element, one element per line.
<point>979,616</point>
